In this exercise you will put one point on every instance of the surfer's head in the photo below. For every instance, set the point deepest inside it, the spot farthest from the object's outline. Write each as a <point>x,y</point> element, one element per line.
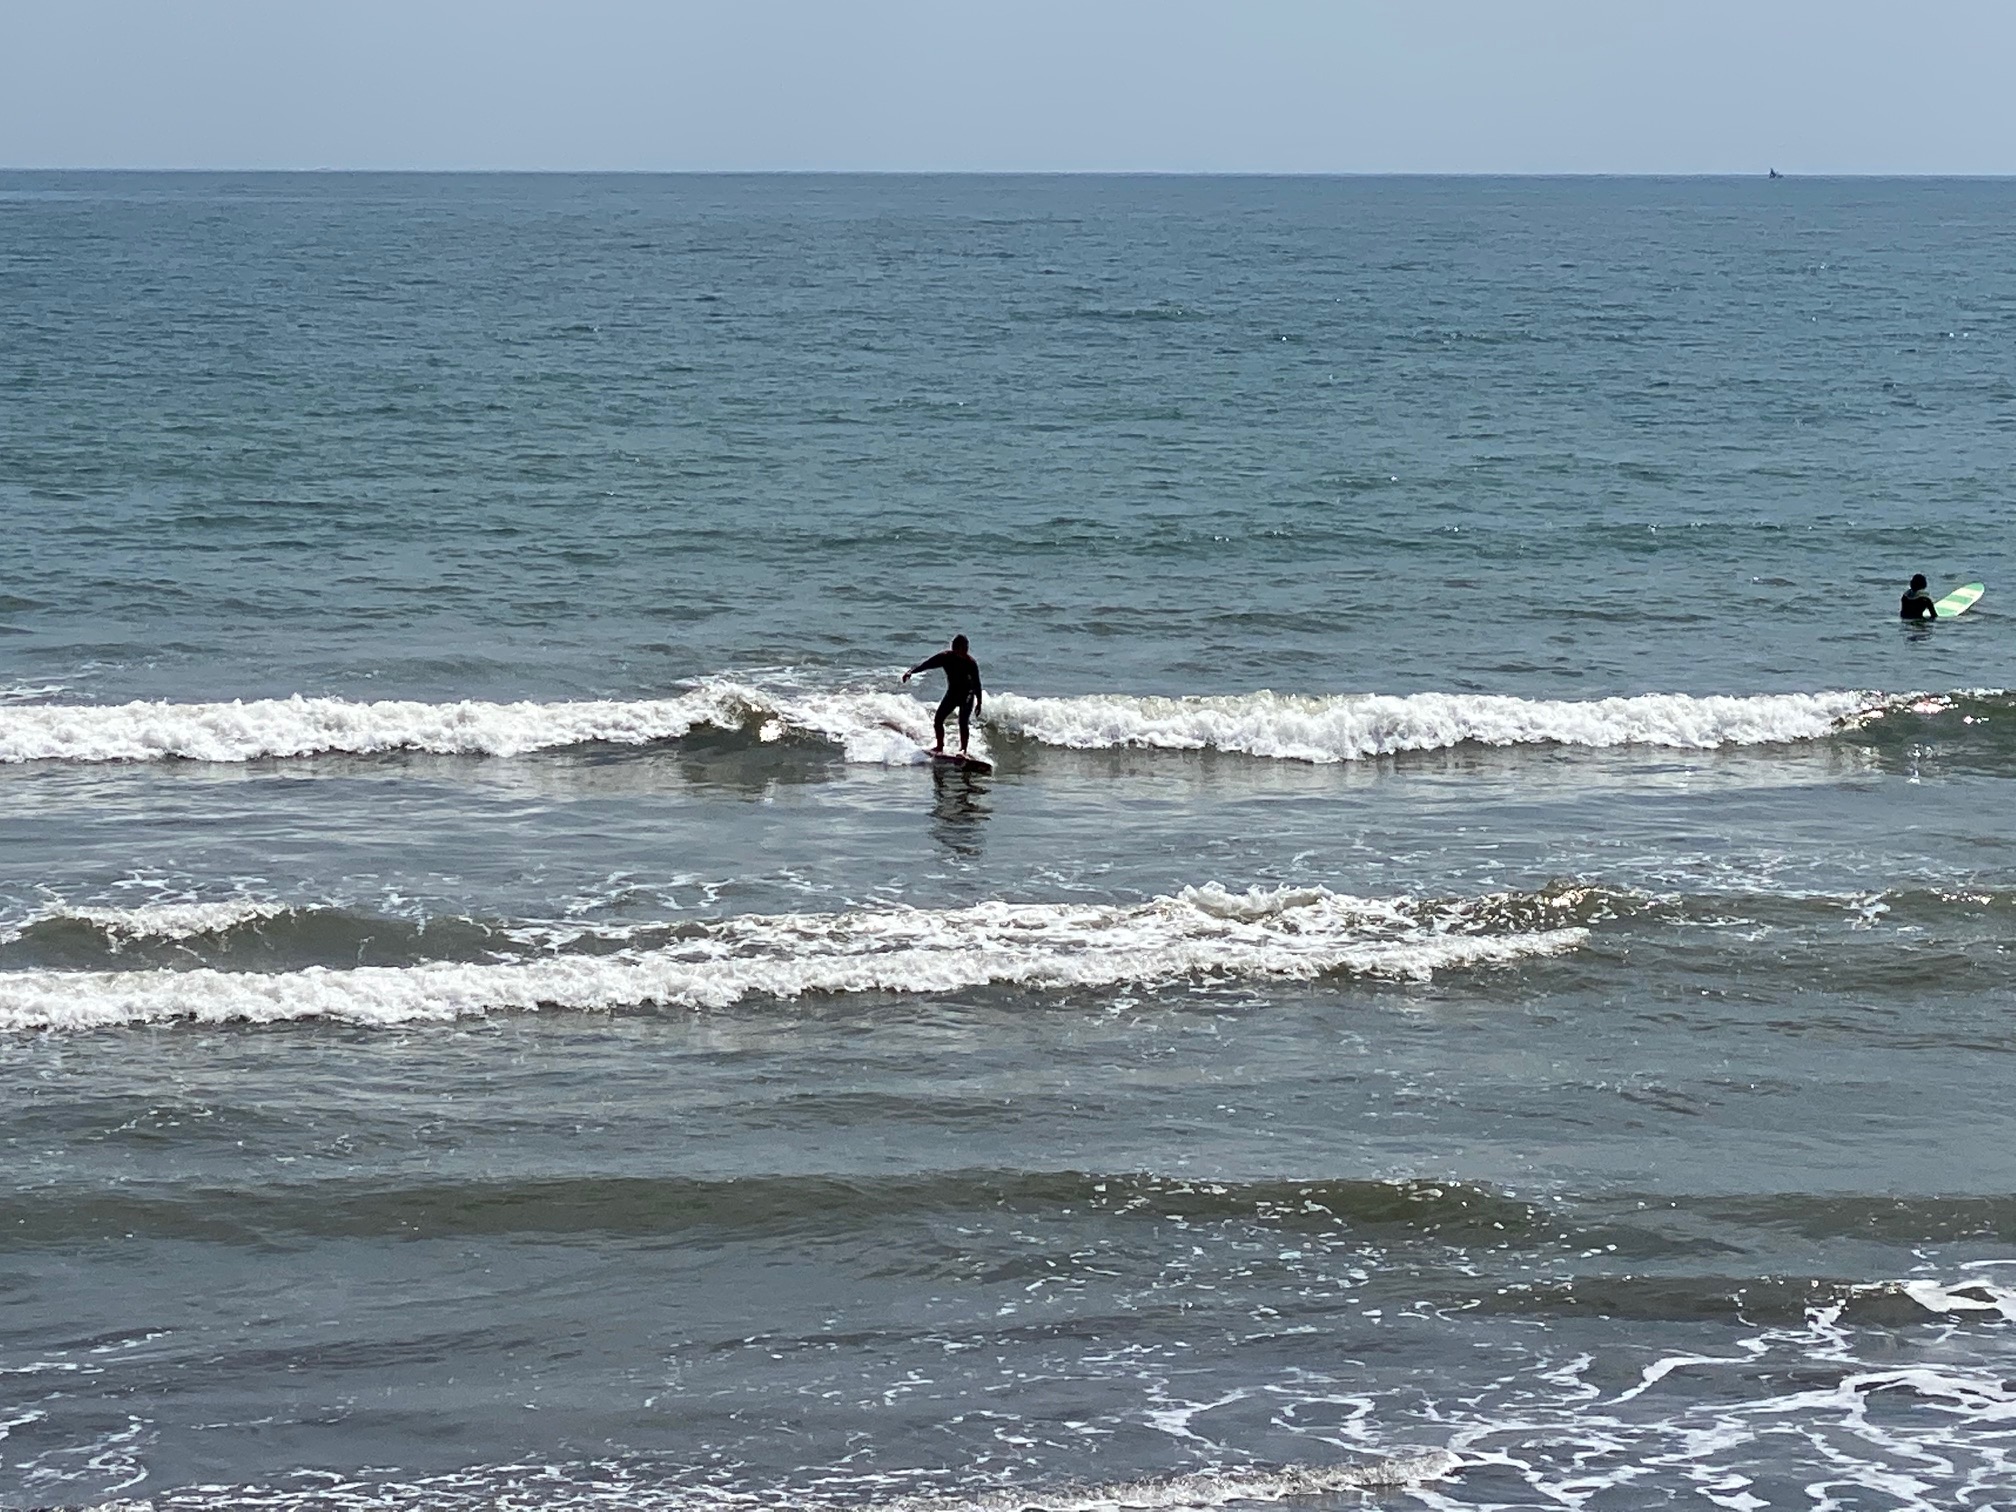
<point>958,643</point>
<point>1917,583</point>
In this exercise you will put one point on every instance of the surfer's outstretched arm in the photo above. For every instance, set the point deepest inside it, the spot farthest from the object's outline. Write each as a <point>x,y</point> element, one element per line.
<point>927,664</point>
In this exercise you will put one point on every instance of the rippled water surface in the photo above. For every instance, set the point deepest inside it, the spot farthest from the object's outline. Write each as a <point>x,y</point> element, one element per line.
<point>1479,977</point>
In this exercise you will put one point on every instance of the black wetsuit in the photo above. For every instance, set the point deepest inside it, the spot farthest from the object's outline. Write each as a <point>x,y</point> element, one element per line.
<point>962,691</point>
<point>1917,605</point>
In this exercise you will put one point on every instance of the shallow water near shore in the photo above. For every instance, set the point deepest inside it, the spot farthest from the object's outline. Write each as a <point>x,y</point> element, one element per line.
<point>1479,978</point>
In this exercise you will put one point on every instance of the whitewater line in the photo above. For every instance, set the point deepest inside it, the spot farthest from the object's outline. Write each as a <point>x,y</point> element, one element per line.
<point>1201,932</point>
<point>887,728</point>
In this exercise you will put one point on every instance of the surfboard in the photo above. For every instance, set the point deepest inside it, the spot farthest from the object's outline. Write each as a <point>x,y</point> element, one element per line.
<point>1959,601</point>
<point>942,758</point>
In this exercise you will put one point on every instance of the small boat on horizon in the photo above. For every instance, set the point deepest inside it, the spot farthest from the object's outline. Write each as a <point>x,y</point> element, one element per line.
<point>1773,173</point>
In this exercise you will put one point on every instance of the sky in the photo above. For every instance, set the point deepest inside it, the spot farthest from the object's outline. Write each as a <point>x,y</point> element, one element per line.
<point>1178,86</point>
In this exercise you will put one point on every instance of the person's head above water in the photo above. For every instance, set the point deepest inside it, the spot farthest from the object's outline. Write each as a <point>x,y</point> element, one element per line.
<point>1917,582</point>
<point>958,643</point>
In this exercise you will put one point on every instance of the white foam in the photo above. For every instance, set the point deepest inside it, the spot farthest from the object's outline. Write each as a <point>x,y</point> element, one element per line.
<point>1213,1488</point>
<point>159,921</point>
<point>1200,932</point>
<point>609,1488</point>
<point>868,726</point>
<point>1916,1419</point>
<point>1351,727</point>
<point>888,727</point>
<point>1970,1297</point>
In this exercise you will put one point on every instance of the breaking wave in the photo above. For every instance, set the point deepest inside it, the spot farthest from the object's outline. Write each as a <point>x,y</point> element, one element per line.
<point>884,727</point>
<point>1201,932</point>
<point>1351,727</point>
<point>152,921</point>
<point>888,728</point>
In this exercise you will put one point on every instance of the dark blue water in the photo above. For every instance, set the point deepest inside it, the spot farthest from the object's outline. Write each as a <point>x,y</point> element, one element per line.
<point>1481,966</point>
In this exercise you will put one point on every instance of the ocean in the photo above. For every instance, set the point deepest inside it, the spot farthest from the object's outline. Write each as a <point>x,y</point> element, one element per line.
<point>1477,979</point>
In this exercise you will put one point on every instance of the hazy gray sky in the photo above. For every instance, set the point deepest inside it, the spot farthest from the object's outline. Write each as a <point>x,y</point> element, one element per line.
<point>1515,86</point>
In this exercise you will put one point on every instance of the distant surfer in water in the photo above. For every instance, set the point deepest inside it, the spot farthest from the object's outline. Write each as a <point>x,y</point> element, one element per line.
<point>962,689</point>
<point>1917,602</point>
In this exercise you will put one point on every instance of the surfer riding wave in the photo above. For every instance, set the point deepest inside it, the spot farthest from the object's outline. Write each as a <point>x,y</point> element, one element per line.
<point>962,690</point>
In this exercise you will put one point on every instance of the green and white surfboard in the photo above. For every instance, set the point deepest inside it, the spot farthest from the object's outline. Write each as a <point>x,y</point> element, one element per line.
<point>1959,601</point>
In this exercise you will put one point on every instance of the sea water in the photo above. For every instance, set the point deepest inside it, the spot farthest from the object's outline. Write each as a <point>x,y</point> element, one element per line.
<point>1480,978</point>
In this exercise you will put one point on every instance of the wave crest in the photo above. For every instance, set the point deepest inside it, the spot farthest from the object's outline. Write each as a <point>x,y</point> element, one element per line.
<point>152,921</point>
<point>890,728</point>
<point>1350,727</point>
<point>1199,933</point>
<point>871,727</point>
